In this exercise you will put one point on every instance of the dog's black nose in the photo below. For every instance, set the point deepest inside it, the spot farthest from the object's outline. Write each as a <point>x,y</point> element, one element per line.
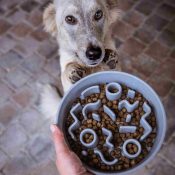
<point>93,53</point>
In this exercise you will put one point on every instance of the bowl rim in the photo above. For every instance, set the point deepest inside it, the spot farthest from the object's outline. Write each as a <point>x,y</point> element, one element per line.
<point>157,148</point>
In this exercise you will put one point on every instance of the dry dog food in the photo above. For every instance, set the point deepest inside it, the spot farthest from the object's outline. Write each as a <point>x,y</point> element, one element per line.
<point>111,131</point>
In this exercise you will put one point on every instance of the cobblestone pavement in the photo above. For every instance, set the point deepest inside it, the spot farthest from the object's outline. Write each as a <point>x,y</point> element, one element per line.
<point>145,37</point>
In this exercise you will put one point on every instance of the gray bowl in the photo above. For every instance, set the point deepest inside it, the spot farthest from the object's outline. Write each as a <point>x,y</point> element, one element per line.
<point>130,81</point>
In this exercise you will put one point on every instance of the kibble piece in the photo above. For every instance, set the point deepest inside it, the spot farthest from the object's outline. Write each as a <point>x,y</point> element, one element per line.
<point>94,122</point>
<point>141,130</point>
<point>95,161</point>
<point>135,149</point>
<point>89,125</point>
<point>124,110</point>
<point>104,100</point>
<point>132,162</point>
<point>109,104</point>
<point>98,124</point>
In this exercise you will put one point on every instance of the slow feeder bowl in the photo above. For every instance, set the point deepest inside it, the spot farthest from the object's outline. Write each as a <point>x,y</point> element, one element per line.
<point>90,85</point>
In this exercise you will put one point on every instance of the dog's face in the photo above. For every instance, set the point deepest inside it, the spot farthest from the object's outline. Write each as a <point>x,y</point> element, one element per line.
<point>82,26</point>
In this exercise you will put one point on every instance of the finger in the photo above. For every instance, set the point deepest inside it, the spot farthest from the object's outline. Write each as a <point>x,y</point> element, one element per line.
<point>67,161</point>
<point>59,142</point>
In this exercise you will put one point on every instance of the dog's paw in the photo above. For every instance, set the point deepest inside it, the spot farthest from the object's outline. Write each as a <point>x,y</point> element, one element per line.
<point>112,63</point>
<point>111,58</point>
<point>75,73</point>
<point>109,54</point>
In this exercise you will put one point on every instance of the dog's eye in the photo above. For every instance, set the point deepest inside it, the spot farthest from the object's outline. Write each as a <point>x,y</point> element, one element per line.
<point>71,20</point>
<point>98,15</point>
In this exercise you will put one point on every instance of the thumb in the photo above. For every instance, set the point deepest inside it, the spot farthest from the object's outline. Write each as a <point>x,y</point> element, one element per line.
<point>67,161</point>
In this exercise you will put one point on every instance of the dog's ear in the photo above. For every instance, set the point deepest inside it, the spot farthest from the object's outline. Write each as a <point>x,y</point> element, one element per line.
<point>114,11</point>
<point>112,3</point>
<point>49,20</point>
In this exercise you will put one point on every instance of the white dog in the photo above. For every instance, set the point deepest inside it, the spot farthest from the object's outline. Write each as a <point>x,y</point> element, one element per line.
<point>83,31</point>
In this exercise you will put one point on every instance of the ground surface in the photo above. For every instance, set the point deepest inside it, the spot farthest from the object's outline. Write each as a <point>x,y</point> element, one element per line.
<point>145,36</point>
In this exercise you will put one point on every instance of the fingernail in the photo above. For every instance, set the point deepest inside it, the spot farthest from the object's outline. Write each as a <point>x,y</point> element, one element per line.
<point>52,128</point>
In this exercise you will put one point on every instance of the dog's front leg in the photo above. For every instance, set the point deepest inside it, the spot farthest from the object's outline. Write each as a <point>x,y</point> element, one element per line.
<point>73,72</point>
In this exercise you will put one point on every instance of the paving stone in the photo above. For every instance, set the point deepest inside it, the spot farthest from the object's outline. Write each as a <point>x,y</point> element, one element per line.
<point>48,49</point>
<point>8,4</point>
<point>11,10</point>
<point>43,77</point>
<point>20,164</point>
<point>2,128</point>
<point>144,64</point>
<point>125,5</point>
<point>19,79</point>
<point>27,46</point>
<point>13,139</point>
<point>2,11</point>
<point>40,35</point>
<point>142,171</point>
<point>35,18</point>
<point>4,26</point>
<point>167,11</point>
<point>28,6</point>
<point>145,34</point>
<point>157,51</point>
<point>171,2</point>
<point>118,43</point>
<point>2,73</point>
<point>31,120</point>
<point>21,30</point>
<point>33,63</point>
<point>44,4</point>
<point>171,27</point>
<point>49,168</point>
<point>6,43</point>
<point>3,159</point>
<point>145,7</point>
<point>167,37</point>
<point>127,65</point>
<point>155,162</point>
<point>157,2</point>
<point>156,22</point>
<point>6,92</point>
<point>169,107</point>
<point>24,97</point>
<point>163,168</point>
<point>172,55</point>
<point>156,80</point>
<point>126,62</point>
<point>133,47</point>
<point>10,59</point>
<point>134,18</point>
<point>168,151</point>
<point>40,147</point>
<point>167,70</point>
<point>45,130</point>
<point>8,112</point>
<point>122,30</point>
<point>53,67</point>
<point>16,16</point>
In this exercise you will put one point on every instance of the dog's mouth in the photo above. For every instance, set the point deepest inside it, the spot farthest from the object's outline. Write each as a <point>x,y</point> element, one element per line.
<point>89,63</point>
<point>94,64</point>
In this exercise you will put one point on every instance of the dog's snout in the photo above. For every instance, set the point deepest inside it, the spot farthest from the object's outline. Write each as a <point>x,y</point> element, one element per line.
<point>93,52</point>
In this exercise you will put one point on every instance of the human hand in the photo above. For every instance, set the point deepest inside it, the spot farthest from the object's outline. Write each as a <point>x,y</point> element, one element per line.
<point>67,161</point>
